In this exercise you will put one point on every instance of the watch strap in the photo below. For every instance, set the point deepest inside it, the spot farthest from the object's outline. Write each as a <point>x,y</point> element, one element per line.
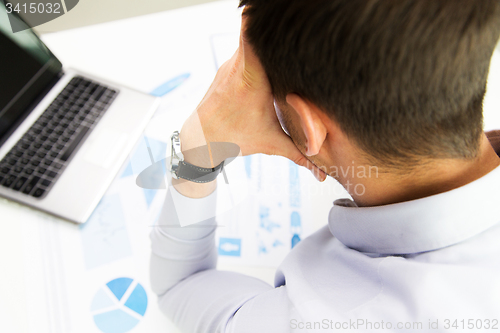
<point>198,174</point>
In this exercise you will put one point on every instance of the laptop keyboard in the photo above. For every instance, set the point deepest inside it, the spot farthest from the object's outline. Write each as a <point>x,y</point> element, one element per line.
<point>34,164</point>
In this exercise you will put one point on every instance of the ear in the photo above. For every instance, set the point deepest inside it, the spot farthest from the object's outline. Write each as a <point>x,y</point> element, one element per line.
<point>310,121</point>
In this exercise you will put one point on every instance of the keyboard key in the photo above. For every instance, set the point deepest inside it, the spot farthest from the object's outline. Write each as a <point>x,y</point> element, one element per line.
<point>35,163</point>
<point>41,170</point>
<point>49,114</point>
<point>9,181</point>
<point>18,153</point>
<point>17,169</point>
<point>57,166</point>
<point>31,153</point>
<point>31,184</point>
<point>25,145</point>
<point>54,154</point>
<point>41,154</point>
<point>38,193</point>
<point>12,162</point>
<point>19,183</point>
<point>37,145</point>
<point>51,174</point>
<point>47,147</point>
<point>46,182</point>
<point>93,88</point>
<point>5,170</point>
<point>28,171</point>
<point>99,93</point>
<point>25,161</point>
<point>74,144</point>
<point>47,162</point>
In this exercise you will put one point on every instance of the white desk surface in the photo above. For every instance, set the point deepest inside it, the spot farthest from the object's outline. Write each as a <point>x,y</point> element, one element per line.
<point>142,53</point>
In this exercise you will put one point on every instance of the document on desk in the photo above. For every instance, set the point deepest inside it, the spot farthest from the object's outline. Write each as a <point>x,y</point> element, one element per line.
<point>272,216</point>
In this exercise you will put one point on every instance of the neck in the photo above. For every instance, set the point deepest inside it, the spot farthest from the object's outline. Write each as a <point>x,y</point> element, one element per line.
<point>435,177</point>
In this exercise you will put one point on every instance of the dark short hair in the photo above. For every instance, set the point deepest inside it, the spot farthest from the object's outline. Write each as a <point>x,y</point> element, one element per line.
<point>403,79</point>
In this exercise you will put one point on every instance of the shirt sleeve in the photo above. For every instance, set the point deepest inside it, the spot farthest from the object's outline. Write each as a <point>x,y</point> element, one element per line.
<point>191,292</point>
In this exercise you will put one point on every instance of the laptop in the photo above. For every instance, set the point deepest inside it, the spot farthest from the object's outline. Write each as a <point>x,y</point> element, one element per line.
<point>63,134</point>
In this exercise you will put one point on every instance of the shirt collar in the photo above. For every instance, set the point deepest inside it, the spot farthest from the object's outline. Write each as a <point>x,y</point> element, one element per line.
<point>419,225</point>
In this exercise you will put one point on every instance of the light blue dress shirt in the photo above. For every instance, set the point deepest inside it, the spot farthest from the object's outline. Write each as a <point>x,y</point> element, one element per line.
<point>427,265</point>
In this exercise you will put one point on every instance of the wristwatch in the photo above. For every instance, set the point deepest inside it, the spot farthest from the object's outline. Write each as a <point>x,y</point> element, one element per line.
<point>181,169</point>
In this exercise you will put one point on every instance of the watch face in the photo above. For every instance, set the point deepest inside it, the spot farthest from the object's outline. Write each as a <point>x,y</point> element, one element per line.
<point>174,154</point>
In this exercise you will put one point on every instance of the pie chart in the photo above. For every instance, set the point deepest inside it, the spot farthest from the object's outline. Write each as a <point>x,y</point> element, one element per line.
<point>119,305</point>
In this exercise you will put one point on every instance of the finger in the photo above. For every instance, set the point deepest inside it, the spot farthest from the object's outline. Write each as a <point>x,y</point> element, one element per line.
<point>319,174</point>
<point>286,148</point>
<point>494,138</point>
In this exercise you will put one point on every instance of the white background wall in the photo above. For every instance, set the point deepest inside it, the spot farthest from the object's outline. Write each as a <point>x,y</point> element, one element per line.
<point>88,12</point>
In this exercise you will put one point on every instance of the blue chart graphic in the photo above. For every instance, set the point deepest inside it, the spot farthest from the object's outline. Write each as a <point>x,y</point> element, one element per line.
<point>230,247</point>
<point>265,223</point>
<point>119,306</point>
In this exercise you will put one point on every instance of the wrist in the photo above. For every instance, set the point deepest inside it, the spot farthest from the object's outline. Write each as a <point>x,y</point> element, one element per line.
<point>194,146</point>
<point>188,156</point>
<point>194,190</point>
<point>202,152</point>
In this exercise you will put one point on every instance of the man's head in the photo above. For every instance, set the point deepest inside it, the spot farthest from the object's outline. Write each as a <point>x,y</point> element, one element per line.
<point>403,80</point>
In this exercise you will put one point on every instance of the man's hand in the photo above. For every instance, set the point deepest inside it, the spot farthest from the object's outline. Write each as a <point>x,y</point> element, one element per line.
<point>494,138</point>
<point>239,108</point>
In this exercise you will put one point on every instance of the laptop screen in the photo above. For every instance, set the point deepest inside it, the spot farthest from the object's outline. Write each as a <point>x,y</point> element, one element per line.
<point>27,68</point>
